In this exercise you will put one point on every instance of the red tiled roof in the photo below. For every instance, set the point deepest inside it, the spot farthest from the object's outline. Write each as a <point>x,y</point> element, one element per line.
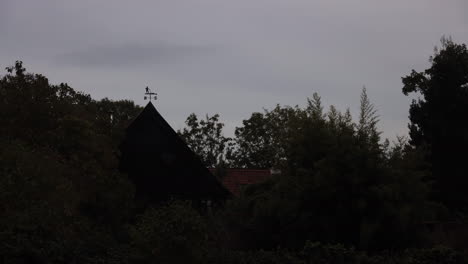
<point>235,178</point>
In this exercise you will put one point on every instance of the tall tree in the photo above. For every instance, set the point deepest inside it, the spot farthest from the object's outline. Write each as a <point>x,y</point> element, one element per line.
<point>314,106</point>
<point>438,120</point>
<point>367,131</point>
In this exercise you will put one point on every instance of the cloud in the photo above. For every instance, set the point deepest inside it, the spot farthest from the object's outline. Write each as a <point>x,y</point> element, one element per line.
<point>133,55</point>
<point>233,57</point>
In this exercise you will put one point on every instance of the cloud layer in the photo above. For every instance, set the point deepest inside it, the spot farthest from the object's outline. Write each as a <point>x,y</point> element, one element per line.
<point>132,55</point>
<point>233,57</point>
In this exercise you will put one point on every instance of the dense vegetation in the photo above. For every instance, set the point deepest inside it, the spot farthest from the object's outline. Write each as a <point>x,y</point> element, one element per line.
<point>344,195</point>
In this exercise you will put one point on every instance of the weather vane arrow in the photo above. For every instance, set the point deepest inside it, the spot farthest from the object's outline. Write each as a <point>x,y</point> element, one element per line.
<point>150,95</point>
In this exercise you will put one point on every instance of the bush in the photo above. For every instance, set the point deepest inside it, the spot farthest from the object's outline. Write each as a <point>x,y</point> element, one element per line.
<point>173,233</point>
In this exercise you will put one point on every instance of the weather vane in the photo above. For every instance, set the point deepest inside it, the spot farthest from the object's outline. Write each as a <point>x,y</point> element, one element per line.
<point>150,95</point>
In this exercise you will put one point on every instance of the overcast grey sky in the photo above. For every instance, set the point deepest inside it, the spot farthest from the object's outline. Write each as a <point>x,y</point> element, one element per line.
<point>232,57</point>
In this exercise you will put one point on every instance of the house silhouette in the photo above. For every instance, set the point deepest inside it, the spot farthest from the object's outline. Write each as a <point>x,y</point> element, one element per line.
<point>162,166</point>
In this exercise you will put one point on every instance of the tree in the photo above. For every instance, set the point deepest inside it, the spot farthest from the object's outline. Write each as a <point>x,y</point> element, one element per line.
<point>368,119</point>
<point>205,138</point>
<point>314,107</point>
<point>254,143</point>
<point>263,140</point>
<point>438,120</point>
<point>115,116</point>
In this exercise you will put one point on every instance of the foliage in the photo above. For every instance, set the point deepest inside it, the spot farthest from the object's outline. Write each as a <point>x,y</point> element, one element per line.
<point>319,253</point>
<point>62,195</point>
<point>173,233</point>
<point>360,199</point>
<point>262,141</point>
<point>438,120</point>
<point>338,185</point>
<point>368,119</point>
<point>205,137</point>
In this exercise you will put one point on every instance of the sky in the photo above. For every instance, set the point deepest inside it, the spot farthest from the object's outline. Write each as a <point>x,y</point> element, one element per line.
<point>233,57</point>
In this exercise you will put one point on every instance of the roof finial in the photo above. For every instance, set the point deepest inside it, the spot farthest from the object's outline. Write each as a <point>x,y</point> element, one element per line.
<point>150,95</point>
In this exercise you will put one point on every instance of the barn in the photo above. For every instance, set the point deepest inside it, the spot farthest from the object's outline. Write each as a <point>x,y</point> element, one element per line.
<point>162,166</point>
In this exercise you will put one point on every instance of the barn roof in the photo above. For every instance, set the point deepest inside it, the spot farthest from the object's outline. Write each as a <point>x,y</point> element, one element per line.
<point>162,165</point>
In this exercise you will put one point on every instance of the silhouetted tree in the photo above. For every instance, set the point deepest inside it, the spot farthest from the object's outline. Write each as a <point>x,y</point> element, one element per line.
<point>263,140</point>
<point>205,138</point>
<point>438,120</point>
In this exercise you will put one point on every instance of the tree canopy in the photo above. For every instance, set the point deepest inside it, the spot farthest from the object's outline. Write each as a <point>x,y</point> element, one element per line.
<point>438,120</point>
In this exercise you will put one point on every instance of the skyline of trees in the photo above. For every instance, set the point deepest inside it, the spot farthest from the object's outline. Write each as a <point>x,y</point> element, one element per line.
<point>343,193</point>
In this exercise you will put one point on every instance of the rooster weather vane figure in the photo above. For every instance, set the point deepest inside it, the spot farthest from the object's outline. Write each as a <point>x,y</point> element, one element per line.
<point>150,95</point>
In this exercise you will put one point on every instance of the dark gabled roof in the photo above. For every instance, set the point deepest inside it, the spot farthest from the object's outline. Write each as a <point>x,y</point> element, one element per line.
<point>158,160</point>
